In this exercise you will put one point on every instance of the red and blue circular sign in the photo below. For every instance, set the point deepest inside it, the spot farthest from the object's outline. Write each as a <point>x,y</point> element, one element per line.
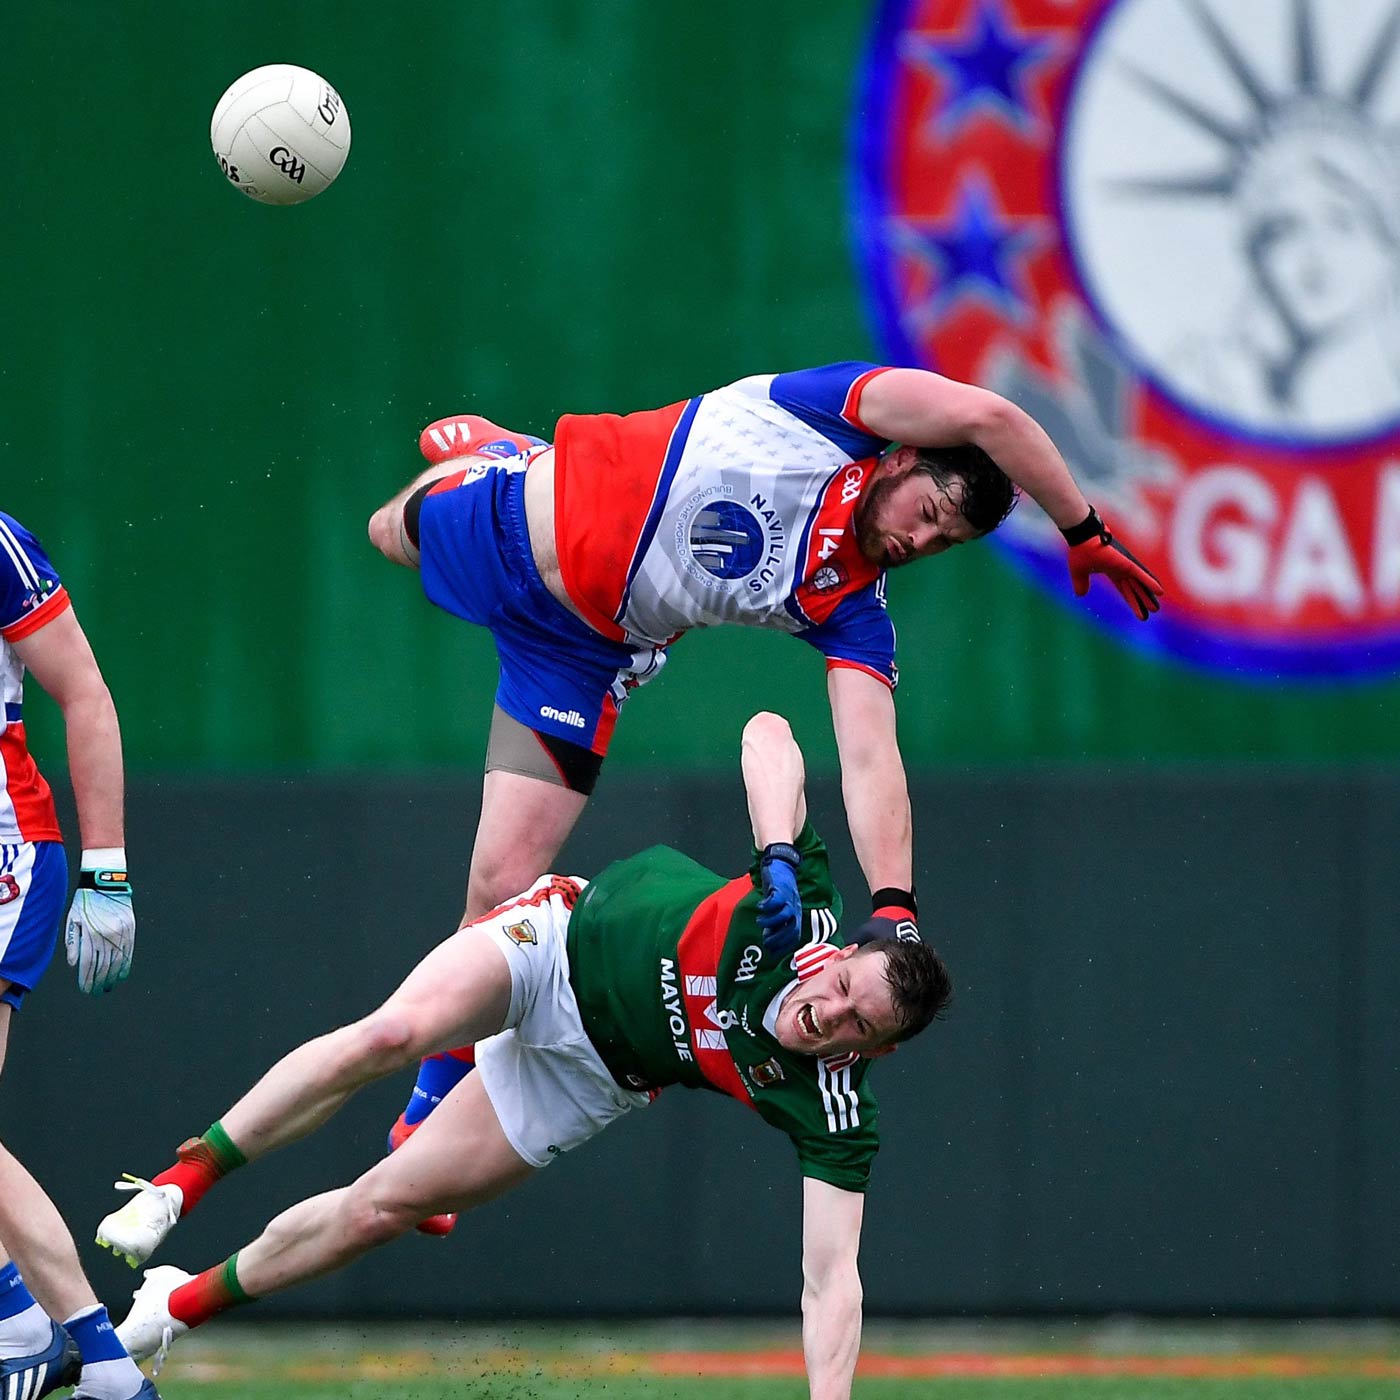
<point>1169,230</point>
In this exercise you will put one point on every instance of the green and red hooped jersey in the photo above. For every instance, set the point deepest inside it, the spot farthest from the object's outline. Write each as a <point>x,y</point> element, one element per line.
<point>667,962</point>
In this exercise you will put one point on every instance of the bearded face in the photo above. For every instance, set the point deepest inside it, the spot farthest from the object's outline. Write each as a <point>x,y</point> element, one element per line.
<point>907,515</point>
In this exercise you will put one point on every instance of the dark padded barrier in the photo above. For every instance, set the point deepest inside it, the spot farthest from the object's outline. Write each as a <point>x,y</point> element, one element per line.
<point>1168,1083</point>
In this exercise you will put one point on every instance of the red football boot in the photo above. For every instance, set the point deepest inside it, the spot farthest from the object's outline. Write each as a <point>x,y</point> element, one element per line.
<point>469,435</point>
<point>434,1224</point>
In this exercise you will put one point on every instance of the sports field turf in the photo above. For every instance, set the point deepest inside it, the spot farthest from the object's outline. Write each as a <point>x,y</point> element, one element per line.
<point>1105,1361</point>
<point>520,1388</point>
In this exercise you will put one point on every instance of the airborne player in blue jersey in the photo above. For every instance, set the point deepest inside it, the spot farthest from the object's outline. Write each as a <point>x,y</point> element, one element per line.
<point>779,501</point>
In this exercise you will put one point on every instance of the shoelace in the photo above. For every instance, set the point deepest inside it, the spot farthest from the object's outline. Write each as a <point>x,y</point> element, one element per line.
<point>167,1338</point>
<point>137,1183</point>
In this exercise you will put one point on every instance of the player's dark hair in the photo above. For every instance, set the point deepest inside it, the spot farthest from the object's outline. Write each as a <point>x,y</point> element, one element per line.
<point>918,979</point>
<point>988,493</point>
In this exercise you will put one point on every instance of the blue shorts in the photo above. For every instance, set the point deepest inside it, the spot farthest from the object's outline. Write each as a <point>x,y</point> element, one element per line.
<point>33,886</point>
<point>558,676</point>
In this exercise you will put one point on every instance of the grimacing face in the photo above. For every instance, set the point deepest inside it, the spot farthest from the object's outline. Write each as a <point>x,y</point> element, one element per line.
<point>847,1007</point>
<point>906,515</point>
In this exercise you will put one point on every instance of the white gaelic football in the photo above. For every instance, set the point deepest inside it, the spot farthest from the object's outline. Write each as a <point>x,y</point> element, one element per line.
<point>280,133</point>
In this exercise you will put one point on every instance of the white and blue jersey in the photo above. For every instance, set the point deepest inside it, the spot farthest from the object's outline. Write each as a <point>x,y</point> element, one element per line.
<point>33,874</point>
<point>31,595</point>
<point>737,506</point>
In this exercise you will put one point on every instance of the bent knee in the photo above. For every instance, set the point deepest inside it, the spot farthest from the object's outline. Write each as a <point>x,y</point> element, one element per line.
<point>386,534</point>
<point>371,1220</point>
<point>497,881</point>
<point>767,724</point>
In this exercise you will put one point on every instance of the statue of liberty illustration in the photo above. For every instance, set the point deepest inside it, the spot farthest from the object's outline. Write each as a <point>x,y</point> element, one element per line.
<point>1310,173</point>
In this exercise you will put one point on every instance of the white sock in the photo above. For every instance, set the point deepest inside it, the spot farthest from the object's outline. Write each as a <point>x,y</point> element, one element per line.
<point>109,1380</point>
<point>25,1333</point>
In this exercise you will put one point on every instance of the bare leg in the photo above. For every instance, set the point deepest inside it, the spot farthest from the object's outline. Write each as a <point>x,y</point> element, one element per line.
<point>386,529</point>
<point>457,1160</point>
<point>524,822</point>
<point>460,992</point>
<point>33,1232</point>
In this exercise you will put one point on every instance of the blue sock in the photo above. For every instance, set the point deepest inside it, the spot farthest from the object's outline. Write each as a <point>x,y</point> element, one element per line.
<point>437,1077</point>
<point>15,1298</point>
<point>95,1336</point>
<point>24,1326</point>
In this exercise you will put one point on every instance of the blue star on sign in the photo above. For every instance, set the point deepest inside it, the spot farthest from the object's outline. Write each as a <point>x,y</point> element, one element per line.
<point>986,71</point>
<point>976,255</point>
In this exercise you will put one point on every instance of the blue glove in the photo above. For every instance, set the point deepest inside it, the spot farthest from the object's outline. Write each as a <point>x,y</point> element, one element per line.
<point>780,909</point>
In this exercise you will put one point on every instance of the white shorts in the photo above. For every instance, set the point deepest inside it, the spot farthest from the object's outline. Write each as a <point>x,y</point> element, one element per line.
<point>550,1089</point>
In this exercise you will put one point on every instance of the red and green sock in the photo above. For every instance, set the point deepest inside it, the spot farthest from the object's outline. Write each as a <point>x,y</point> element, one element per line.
<point>208,1294</point>
<point>201,1162</point>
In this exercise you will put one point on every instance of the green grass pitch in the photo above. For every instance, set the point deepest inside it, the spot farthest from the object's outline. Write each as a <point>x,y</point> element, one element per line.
<point>1113,1360</point>
<point>519,1387</point>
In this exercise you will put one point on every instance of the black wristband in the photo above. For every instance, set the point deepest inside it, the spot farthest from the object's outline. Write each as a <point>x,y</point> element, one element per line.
<point>107,881</point>
<point>1087,528</point>
<point>902,929</point>
<point>784,851</point>
<point>889,895</point>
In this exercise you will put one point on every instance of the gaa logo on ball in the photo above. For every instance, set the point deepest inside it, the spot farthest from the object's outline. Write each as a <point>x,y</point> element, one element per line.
<point>281,134</point>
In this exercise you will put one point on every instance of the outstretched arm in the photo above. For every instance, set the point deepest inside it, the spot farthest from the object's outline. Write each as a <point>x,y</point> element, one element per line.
<point>872,781</point>
<point>831,1292</point>
<point>923,409</point>
<point>774,777</point>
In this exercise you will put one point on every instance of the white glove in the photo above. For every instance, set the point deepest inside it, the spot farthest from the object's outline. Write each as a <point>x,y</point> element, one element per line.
<point>101,932</point>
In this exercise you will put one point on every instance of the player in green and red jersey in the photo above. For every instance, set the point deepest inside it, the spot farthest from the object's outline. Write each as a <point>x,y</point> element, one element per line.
<point>586,999</point>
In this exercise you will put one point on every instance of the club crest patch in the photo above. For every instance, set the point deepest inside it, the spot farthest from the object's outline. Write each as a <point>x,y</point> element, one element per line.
<point>766,1074</point>
<point>1170,231</point>
<point>522,933</point>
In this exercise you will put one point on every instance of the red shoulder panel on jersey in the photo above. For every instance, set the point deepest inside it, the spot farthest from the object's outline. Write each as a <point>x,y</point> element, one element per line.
<point>697,956</point>
<point>834,567</point>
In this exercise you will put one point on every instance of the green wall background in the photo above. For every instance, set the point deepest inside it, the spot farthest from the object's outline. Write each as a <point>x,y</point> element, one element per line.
<point>569,205</point>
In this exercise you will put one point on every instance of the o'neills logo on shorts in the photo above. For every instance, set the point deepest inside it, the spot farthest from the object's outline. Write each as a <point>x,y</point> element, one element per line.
<point>1170,232</point>
<point>563,716</point>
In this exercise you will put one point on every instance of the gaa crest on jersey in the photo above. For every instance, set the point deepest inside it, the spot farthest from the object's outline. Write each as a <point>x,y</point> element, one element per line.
<point>1169,230</point>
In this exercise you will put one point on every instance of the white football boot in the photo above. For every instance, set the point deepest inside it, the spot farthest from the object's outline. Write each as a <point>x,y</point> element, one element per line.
<point>136,1231</point>
<point>148,1329</point>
